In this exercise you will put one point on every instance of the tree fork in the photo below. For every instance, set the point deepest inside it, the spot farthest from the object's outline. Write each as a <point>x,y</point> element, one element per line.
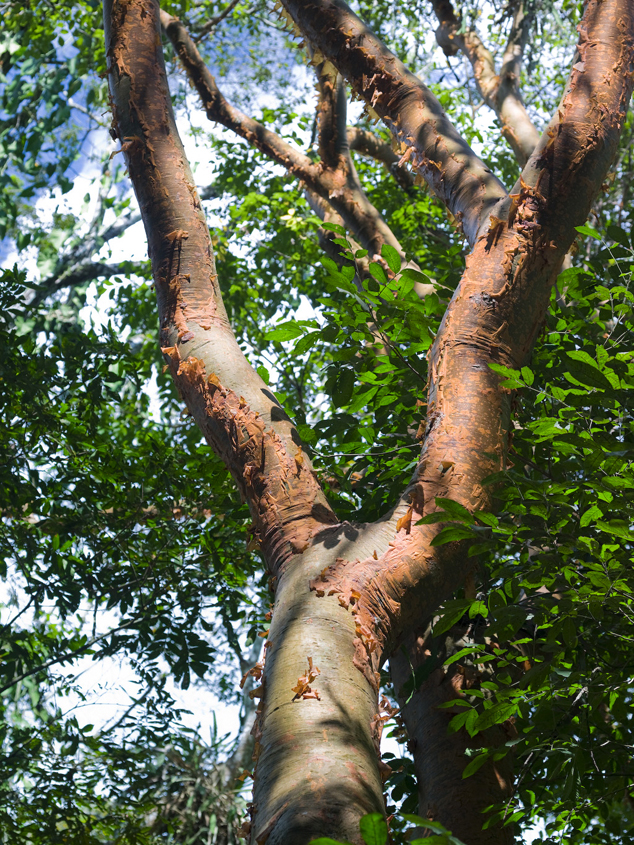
<point>433,146</point>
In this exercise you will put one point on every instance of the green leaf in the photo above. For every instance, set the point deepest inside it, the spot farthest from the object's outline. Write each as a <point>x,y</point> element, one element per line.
<point>474,764</point>
<point>306,433</point>
<point>619,235</point>
<point>415,276</point>
<point>307,342</point>
<point>419,821</point>
<point>585,373</point>
<point>452,534</point>
<point>373,829</point>
<point>264,374</point>
<point>334,227</point>
<point>379,273</point>
<point>472,649</point>
<point>591,515</point>
<point>285,331</point>
<point>489,519</point>
<point>478,608</point>
<point>450,615</point>
<point>527,375</point>
<point>455,510</point>
<point>343,387</point>
<point>588,231</point>
<point>326,840</point>
<point>392,257</point>
<point>618,527</point>
<point>512,378</point>
<point>495,715</point>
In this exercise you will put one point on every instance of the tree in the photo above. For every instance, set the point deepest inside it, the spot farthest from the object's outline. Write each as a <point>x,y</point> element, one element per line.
<point>351,594</point>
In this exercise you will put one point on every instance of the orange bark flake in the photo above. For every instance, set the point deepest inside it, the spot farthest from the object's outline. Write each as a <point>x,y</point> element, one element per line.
<point>303,687</point>
<point>253,672</point>
<point>405,522</point>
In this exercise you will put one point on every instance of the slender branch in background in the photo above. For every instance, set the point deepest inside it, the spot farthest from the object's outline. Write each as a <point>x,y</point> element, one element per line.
<point>212,23</point>
<point>431,143</point>
<point>368,144</point>
<point>440,755</point>
<point>11,622</point>
<point>135,703</point>
<point>501,92</point>
<point>327,214</point>
<point>87,271</point>
<point>332,138</point>
<point>69,655</point>
<point>241,756</point>
<point>76,266</point>
<point>84,110</point>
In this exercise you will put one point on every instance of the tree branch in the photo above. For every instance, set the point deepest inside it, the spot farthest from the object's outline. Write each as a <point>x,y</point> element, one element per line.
<point>500,92</point>
<point>233,407</point>
<point>440,757</point>
<point>331,117</point>
<point>368,144</point>
<point>433,146</point>
<point>213,22</point>
<point>69,655</point>
<point>81,272</point>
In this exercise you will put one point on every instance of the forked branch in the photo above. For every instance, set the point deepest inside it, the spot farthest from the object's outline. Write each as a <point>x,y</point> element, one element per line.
<point>432,145</point>
<point>334,178</point>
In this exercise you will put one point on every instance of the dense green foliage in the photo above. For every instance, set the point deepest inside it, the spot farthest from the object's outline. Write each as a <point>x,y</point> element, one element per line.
<point>122,536</point>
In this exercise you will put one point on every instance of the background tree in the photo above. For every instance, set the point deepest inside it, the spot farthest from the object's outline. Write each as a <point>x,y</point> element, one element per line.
<point>375,377</point>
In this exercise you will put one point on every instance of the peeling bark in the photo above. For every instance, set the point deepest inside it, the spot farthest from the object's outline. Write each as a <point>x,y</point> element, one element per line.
<point>318,768</point>
<point>233,407</point>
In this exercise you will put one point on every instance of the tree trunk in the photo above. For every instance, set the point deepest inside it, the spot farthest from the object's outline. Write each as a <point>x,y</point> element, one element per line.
<point>440,757</point>
<point>347,596</point>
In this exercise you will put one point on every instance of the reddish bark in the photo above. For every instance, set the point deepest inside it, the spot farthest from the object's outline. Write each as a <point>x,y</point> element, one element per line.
<point>318,769</point>
<point>236,411</point>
